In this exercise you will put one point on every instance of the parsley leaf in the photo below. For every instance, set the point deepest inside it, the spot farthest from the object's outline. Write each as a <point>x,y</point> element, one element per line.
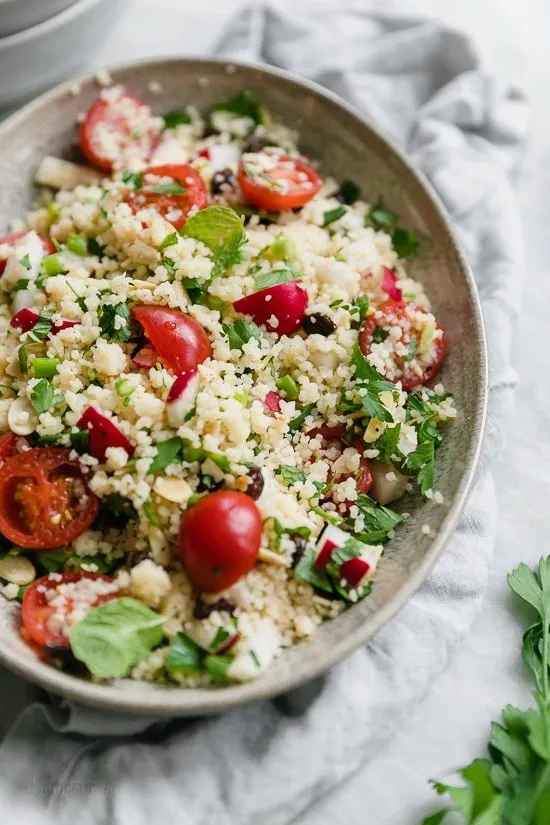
<point>404,242</point>
<point>240,332</point>
<point>333,215</point>
<point>291,475</point>
<point>379,335</point>
<point>221,230</point>
<point>184,655</point>
<point>25,261</point>
<point>169,240</point>
<point>378,520</point>
<point>168,452</point>
<point>297,422</point>
<point>308,572</point>
<point>43,325</point>
<point>112,327</point>
<point>175,118</point>
<point>44,396</point>
<point>134,179</point>
<point>244,104</point>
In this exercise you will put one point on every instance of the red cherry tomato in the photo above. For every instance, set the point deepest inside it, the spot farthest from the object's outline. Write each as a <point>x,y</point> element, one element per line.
<point>279,308</point>
<point>219,540</point>
<point>37,612</point>
<point>9,444</point>
<point>181,343</point>
<point>44,498</point>
<point>12,238</point>
<point>102,434</point>
<point>412,370</point>
<point>111,127</point>
<point>174,206</point>
<point>289,184</point>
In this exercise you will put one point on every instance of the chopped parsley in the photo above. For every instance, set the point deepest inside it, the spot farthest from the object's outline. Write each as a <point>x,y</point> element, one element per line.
<point>291,475</point>
<point>240,332</point>
<point>170,240</point>
<point>297,422</point>
<point>379,335</point>
<point>176,117</point>
<point>403,240</point>
<point>44,396</point>
<point>115,322</point>
<point>221,230</point>
<point>168,452</point>
<point>134,179</point>
<point>25,261</point>
<point>244,104</point>
<point>333,215</point>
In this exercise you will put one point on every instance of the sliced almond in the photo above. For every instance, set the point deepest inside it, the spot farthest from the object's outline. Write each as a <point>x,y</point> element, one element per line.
<point>22,419</point>
<point>173,489</point>
<point>269,557</point>
<point>139,284</point>
<point>62,174</point>
<point>17,570</point>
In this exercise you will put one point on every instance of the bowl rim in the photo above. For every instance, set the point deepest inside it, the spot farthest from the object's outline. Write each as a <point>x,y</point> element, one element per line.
<point>175,701</point>
<point>45,27</point>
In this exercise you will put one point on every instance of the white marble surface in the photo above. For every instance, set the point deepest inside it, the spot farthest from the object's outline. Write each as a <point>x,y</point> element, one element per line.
<point>451,724</point>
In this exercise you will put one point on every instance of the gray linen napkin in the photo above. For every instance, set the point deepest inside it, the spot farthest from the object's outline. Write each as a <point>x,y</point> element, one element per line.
<point>423,84</point>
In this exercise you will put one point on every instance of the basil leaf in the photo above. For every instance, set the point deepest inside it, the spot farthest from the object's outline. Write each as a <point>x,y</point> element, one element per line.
<point>221,230</point>
<point>175,118</point>
<point>169,240</point>
<point>184,656</point>
<point>291,475</point>
<point>278,276</point>
<point>241,332</point>
<point>333,215</point>
<point>217,667</point>
<point>171,188</point>
<point>111,329</point>
<point>244,104</point>
<point>113,637</point>
<point>168,452</point>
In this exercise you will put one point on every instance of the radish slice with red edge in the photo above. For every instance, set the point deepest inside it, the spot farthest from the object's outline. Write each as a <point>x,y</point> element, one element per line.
<point>272,402</point>
<point>145,358</point>
<point>279,308</point>
<point>103,433</point>
<point>181,398</point>
<point>389,284</point>
<point>354,572</point>
<point>331,537</point>
<point>26,319</point>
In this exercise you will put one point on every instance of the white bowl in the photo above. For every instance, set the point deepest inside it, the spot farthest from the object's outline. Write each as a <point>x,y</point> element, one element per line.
<point>17,15</point>
<point>42,55</point>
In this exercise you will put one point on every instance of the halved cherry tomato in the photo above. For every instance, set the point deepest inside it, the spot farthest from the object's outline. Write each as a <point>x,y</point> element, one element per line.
<point>175,206</point>
<point>44,498</point>
<point>219,540</point>
<point>37,612</point>
<point>11,239</point>
<point>109,129</point>
<point>181,343</point>
<point>289,184</point>
<point>279,308</point>
<point>9,443</point>
<point>402,314</point>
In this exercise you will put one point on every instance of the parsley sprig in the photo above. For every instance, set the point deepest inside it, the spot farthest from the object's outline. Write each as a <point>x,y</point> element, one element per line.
<point>512,785</point>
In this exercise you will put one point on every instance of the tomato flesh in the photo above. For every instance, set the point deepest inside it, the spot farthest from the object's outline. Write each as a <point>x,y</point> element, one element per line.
<point>219,540</point>
<point>174,207</point>
<point>287,183</point>
<point>397,314</point>
<point>11,239</point>
<point>10,444</point>
<point>280,308</point>
<point>107,132</point>
<point>44,498</point>
<point>36,611</point>
<point>181,343</point>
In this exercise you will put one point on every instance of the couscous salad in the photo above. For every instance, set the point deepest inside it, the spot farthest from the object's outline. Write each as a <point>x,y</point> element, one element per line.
<point>214,387</point>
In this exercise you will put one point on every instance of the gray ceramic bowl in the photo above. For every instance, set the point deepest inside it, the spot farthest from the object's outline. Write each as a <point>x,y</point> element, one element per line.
<point>16,15</point>
<point>346,147</point>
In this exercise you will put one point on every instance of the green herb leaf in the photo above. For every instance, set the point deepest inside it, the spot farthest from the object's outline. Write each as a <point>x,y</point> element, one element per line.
<point>297,422</point>
<point>333,215</point>
<point>77,244</point>
<point>217,667</point>
<point>349,192</point>
<point>221,230</point>
<point>278,276</point>
<point>44,396</point>
<point>387,443</point>
<point>423,460</point>
<point>134,179</point>
<point>22,358</point>
<point>112,328</point>
<point>379,335</point>
<point>168,452</point>
<point>291,475</point>
<point>240,332</point>
<point>176,117</point>
<point>120,510</point>
<point>170,240</point>
<point>380,219</point>
<point>171,188</point>
<point>413,348</point>
<point>328,516</point>
<point>308,572</point>
<point>404,242</point>
<point>244,104</point>
<point>288,386</point>
<point>222,635</point>
<point>25,261</point>
<point>184,656</point>
<point>42,328</point>
<point>377,519</point>
<point>22,283</point>
<point>113,637</point>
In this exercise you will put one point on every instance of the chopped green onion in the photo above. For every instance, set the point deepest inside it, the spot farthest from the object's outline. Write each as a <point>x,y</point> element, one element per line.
<point>242,397</point>
<point>23,359</point>
<point>52,208</point>
<point>149,511</point>
<point>45,367</point>
<point>77,244</point>
<point>52,265</point>
<point>124,387</point>
<point>288,385</point>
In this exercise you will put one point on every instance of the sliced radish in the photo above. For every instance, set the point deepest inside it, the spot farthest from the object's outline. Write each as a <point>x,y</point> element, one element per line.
<point>389,284</point>
<point>204,635</point>
<point>26,319</point>
<point>331,537</point>
<point>204,153</point>
<point>145,358</point>
<point>355,572</point>
<point>279,308</point>
<point>388,484</point>
<point>103,433</point>
<point>181,398</point>
<point>272,402</point>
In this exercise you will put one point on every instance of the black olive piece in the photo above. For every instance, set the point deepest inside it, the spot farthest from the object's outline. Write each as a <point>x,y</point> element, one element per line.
<point>64,659</point>
<point>254,143</point>
<point>222,180</point>
<point>202,610</point>
<point>209,131</point>
<point>300,544</point>
<point>136,557</point>
<point>318,323</point>
<point>256,483</point>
